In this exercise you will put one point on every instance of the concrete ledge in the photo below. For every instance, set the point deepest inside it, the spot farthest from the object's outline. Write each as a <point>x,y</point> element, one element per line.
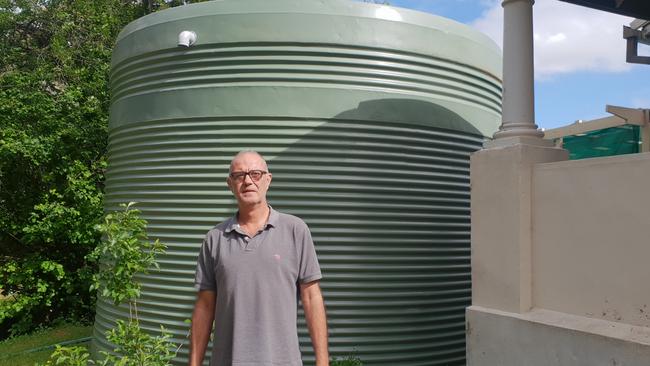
<point>548,338</point>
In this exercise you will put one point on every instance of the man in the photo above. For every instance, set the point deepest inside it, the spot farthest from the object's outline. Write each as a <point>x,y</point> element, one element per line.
<point>249,273</point>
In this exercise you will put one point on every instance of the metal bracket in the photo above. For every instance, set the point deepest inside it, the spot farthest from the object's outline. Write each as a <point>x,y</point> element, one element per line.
<point>640,33</point>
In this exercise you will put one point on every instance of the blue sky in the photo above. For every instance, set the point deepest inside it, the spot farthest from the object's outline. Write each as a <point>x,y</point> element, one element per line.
<point>579,56</point>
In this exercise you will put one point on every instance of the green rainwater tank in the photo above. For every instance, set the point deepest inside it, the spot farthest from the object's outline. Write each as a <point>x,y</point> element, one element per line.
<point>367,115</point>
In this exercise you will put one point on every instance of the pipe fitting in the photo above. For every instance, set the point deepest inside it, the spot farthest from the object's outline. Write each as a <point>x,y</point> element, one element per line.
<point>186,38</point>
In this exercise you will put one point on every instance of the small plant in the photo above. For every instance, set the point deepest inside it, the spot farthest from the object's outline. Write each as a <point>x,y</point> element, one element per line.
<point>70,356</point>
<point>137,348</point>
<point>350,360</point>
<point>124,252</point>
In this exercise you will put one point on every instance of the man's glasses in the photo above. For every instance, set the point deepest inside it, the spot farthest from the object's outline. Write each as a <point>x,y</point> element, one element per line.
<point>255,175</point>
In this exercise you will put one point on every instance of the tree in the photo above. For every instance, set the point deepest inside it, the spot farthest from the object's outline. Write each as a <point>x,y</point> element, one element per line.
<point>54,68</point>
<point>54,65</point>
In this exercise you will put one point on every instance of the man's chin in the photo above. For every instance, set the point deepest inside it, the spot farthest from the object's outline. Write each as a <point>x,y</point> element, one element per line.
<point>250,201</point>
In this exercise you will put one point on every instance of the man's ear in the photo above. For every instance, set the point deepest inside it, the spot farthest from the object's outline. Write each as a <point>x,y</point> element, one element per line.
<point>229,185</point>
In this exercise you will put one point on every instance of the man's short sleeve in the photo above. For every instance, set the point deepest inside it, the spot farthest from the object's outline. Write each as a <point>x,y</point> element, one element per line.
<point>309,268</point>
<point>204,278</point>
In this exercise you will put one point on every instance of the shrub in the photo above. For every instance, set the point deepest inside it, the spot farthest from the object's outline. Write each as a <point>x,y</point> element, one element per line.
<point>54,65</point>
<point>69,356</point>
<point>347,361</point>
<point>48,277</point>
<point>124,252</point>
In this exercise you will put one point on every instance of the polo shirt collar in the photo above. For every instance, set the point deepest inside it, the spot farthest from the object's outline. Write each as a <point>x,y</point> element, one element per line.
<point>233,225</point>
<point>274,217</point>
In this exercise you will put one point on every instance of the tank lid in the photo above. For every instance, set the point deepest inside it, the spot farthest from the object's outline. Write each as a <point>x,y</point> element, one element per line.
<point>312,21</point>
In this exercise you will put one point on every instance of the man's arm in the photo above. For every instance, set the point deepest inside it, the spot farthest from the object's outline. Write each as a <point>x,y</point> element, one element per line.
<point>202,320</point>
<point>314,306</point>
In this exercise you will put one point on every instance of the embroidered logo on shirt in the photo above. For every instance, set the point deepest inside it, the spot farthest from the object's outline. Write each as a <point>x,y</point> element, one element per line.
<point>276,256</point>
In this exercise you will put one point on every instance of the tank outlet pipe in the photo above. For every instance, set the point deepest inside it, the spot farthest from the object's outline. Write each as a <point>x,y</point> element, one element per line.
<point>186,38</point>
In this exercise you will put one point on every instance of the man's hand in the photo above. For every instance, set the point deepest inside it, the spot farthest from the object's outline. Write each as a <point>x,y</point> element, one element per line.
<point>314,306</point>
<point>202,320</point>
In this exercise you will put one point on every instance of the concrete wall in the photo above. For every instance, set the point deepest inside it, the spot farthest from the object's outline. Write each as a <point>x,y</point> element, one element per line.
<point>560,259</point>
<point>591,238</point>
<point>501,180</point>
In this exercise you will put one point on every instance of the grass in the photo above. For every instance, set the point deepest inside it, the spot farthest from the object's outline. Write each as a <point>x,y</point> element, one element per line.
<point>46,337</point>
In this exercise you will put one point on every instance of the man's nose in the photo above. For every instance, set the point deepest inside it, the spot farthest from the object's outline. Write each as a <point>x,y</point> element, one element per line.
<point>248,179</point>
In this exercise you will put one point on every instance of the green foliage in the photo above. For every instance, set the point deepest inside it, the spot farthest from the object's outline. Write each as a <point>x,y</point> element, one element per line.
<point>54,102</point>
<point>26,350</point>
<point>137,348</point>
<point>54,64</point>
<point>40,278</point>
<point>133,347</point>
<point>125,251</point>
<point>69,356</point>
<point>54,68</point>
<point>41,338</point>
<point>347,361</point>
<point>48,277</point>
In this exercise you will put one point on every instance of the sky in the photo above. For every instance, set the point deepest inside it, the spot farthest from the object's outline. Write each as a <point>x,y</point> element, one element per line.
<point>579,56</point>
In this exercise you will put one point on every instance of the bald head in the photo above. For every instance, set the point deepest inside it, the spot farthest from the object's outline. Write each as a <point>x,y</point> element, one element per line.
<point>250,192</point>
<point>249,155</point>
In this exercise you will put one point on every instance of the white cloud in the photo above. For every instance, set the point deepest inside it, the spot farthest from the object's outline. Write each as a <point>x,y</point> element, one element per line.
<point>567,37</point>
<point>641,102</point>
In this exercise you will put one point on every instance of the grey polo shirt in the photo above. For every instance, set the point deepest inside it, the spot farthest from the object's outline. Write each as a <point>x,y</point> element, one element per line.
<point>256,280</point>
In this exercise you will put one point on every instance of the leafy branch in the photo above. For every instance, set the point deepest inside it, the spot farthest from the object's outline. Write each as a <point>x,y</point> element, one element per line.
<point>124,252</point>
